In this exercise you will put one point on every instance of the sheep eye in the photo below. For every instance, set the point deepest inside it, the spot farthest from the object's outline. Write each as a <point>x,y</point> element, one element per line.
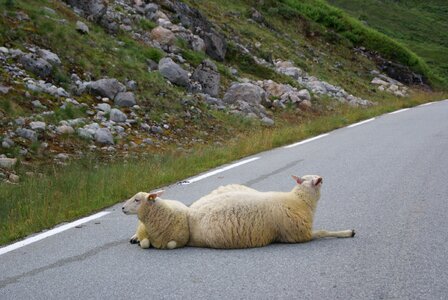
<point>137,200</point>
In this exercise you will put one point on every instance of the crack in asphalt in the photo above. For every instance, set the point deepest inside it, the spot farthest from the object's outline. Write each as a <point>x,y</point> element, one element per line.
<point>275,172</point>
<point>60,263</point>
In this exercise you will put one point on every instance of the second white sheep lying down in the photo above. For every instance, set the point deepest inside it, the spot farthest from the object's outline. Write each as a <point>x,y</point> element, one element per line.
<point>244,217</point>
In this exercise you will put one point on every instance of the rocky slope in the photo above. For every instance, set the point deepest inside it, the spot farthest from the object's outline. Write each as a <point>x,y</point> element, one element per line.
<point>53,110</point>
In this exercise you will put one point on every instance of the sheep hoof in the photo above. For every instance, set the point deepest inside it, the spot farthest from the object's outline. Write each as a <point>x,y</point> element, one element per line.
<point>353,233</point>
<point>144,244</point>
<point>171,245</point>
<point>133,241</point>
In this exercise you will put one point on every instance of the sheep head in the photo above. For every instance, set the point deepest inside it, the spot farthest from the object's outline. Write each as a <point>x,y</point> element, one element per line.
<point>131,205</point>
<point>311,183</point>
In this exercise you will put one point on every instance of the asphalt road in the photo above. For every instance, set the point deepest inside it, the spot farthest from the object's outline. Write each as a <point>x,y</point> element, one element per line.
<point>387,179</point>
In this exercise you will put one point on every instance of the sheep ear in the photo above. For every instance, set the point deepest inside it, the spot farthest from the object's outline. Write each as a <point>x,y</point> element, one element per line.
<point>297,179</point>
<point>154,195</point>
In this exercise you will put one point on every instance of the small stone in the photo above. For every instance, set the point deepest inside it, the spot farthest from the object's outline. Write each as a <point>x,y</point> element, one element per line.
<point>65,129</point>
<point>38,125</point>
<point>305,104</point>
<point>7,143</point>
<point>267,121</point>
<point>125,99</point>
<point>7,163</point>
<point>82,27</point>
<point>156,129</point>
<point>304,94</point>
<point>104,107</point>
<point>37,104</point>
<point>4,90</point>
<point>27,134</point>
<point>14,178</point>
<point>148,141</point>
<point>62,156</point>
<point>117,115</point>
<point>49,56</point>
<point>104,136</point>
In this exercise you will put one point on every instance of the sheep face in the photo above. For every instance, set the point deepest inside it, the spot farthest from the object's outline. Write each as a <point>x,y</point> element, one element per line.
<point>131,206</point>
<point>311,183</point>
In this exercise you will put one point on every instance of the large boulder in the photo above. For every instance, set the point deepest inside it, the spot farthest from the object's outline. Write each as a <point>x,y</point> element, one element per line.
<point>36,65</point>
<point>106,87</point>
<point>208,76</point>
<point>173,72</point>
<point>246,92</point>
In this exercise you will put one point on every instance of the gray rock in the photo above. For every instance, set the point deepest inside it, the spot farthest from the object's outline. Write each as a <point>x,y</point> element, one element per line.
<point>94,9</point>
<point>163,36</point>
<point>173,72</point>
<point>104,107</point>
<point>37,65</point>
<point>20,121</point>
<point>148,141</point>
<point>7,163</point>
<point>208,76</point>
<point>304,94</point>
<point>27,134</point>
<point>37,104</point>
<point>106,87</point>
<point>82,27</point>
<point>4,50</point>
<point>65,129</point>
<point>246,92</point>
<point>125,99</point>
<point>156,129</point>
<point>14,178</point>
<point>4,90</point>
<point>267,121</point>
<point>62,156</point>
<point>85,133</point>
<point>49,10</point>
<point>104,136</point>
<point>7,143</point>
<point>49,56</point>
<point>117,115</point>
<point>131,85</point>
<point>38,125</point>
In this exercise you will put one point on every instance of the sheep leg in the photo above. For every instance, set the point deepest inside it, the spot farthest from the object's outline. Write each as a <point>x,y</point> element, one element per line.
<point>339,234</point>
<point>134,239</point>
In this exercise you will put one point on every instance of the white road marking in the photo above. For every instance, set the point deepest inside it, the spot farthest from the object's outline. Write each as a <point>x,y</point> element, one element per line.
<point>306,141</point>
<point>200,177</point>
<point>51,232</point>
<point>399,111</point>
<point>425,104</point>
<point>360,123</point>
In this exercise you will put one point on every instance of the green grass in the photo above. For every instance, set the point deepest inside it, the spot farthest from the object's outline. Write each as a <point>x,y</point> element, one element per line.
<point>420,25</point>
<point>63,194</point>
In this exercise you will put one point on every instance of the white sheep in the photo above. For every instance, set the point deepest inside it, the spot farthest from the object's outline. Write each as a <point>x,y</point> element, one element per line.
<point>162,223</point>
<point>243,217</point>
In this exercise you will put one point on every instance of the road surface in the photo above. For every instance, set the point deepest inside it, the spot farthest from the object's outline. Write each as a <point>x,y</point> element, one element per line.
<point>386,178</point>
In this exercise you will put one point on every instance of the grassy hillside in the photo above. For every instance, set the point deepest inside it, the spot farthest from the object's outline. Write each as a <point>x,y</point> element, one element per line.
<point>195,137</point>
<point>420,25</point>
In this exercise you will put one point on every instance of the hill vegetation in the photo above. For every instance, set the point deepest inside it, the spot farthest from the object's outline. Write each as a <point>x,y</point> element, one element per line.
<point>420,25</point>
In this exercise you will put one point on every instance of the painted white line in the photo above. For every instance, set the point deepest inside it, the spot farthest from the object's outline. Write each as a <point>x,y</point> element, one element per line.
<point>200,177</point>
<point>399,111</point>
<point>360,123</point>
<point>306,141</point>
<point>51,232</point>
<point>425,104</point>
